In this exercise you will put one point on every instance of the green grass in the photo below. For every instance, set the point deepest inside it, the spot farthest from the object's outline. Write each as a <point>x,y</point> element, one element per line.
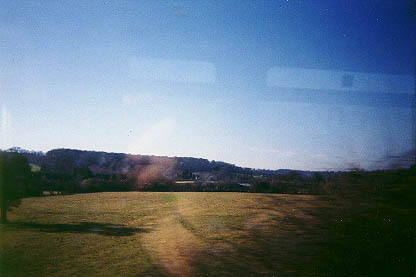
<point>179,234</point>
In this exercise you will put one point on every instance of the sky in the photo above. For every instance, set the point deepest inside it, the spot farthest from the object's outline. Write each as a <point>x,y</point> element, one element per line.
<point>312,85</point>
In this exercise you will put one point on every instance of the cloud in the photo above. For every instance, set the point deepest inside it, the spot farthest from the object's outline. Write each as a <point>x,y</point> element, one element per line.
<point>155,138</point>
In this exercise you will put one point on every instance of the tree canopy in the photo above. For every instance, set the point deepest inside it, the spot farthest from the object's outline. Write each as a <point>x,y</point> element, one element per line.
<point>14,177</point>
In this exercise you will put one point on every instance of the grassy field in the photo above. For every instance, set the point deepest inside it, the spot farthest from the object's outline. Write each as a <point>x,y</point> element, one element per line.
<point>187,234</point>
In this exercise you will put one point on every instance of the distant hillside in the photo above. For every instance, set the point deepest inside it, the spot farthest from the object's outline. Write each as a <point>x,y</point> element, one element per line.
<point>116,163</point>
<point>85,171</point>
<point>74,171</point>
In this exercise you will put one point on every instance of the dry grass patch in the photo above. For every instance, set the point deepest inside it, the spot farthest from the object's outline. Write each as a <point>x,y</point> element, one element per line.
<point>194,233</point>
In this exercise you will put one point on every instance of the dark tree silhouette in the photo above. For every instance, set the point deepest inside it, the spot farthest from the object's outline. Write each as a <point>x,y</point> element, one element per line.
<point>14,177</point>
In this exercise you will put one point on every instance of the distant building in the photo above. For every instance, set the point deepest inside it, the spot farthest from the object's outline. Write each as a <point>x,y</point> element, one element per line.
<point>244,184</point>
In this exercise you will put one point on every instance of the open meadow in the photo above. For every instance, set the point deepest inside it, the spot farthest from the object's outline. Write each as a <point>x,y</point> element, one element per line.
<point>193,233</point>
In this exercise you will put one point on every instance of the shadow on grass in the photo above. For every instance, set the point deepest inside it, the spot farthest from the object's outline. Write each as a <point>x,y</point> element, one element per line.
<point>326,238</point>
<point>104,229</point>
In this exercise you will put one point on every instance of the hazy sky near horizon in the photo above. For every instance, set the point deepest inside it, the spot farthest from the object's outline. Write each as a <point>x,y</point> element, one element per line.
<point>264,84</point>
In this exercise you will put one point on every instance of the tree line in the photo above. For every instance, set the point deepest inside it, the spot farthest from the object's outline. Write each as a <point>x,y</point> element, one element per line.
<point>66,175</point>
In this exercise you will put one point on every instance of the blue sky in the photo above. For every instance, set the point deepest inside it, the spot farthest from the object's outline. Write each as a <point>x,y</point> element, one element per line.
<point>195,78</point>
